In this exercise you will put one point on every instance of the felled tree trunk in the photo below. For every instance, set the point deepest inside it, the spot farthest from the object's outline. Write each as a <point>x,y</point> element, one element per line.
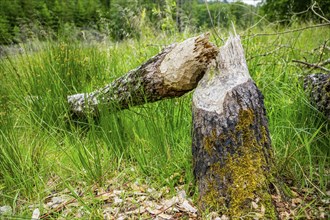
<point>171,73</point>
<point>232,151</point>
<point>318,87</point>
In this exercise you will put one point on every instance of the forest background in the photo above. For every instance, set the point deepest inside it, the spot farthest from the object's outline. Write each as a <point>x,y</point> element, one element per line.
<point>21,20</point>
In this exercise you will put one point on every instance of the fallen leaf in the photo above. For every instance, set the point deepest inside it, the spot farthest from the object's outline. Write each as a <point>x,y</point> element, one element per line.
<point>262,210</point>
<point>154,211</point>
<point>165,216</point>
<point>6,210</point>
<point>212,215</point>
<point>35,214</point>
<point>296,201</point>
<point>141,198</point>
<point>224,217</point>
<point>122,217</point>
<point>104,196</point>
<point>187,207</point>
<point>118,192</point>
<point>139,210</point>
<point>294,193</point>
<point>111,210</point>
<point>152,204</point>
<point>254,205</point>
<point>182,194</point>
<point>171,202</point>
<point>117,200</point>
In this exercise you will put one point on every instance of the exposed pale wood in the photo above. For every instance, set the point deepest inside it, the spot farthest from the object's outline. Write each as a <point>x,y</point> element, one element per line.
<point>171,73</point>
<point>231,145</point>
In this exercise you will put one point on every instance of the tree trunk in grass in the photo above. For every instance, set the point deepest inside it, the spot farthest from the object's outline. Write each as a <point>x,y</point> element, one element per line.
<point>171,73</point>
<point>318,87</point>
<point>232,151</point>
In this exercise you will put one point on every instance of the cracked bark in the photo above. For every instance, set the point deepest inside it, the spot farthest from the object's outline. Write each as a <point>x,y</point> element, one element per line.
<point>317,87</point>
<point>231,145</point>
<point>171,73</point>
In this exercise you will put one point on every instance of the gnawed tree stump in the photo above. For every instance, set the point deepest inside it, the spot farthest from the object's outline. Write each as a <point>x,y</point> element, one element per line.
<point>171,73</point>
<point>231,148</point>
<point>318,88</point>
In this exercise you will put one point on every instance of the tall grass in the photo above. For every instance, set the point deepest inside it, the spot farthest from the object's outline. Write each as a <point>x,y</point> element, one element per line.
<point>39,140</point>
<point>40,143</point>
<point>300,133</point>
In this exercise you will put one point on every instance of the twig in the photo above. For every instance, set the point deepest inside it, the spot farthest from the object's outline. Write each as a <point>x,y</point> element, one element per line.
<point>322,51</point>
<point>266,54</point>
<point>57,209</point>
<point>213,26</point>
<point>253,26</point>
<point>312,8</point>
<point>326,62</point>
<point>156,45</point>
<point>312,65</point>
<point>308,180</point>
<point>288,31</point>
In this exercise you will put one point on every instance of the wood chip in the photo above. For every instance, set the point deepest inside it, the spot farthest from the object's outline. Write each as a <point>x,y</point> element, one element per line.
<point>165,216</point>
<point>35,214</point>
<point>187,207</point>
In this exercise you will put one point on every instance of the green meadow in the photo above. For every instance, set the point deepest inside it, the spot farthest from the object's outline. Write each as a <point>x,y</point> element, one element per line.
<point>43,151</point>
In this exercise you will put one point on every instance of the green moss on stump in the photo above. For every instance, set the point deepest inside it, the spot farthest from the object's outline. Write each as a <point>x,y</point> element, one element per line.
<point>209,142</point>
<point>243,176</point>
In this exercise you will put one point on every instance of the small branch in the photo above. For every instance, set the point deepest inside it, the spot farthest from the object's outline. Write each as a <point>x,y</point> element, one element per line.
<point>58,209</point>
<point>326,62</point>
<point>253,26</point>
<point>266,54</point>
<point>156,45</point>
<point>317,14</point>
<point>215,32</point>
<point>288,31</point>
<point>312,65</point>
<point>306,177</point>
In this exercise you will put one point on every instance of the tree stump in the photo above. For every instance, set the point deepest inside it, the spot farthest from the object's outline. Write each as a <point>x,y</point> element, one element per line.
<point>231,147</point>
<point>171,73</point>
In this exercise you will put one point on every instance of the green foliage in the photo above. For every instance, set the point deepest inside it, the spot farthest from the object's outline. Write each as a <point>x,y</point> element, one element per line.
<point>118,19</point>
<point>4,29</point>
<point>283,10</point>
<point>223,15</point>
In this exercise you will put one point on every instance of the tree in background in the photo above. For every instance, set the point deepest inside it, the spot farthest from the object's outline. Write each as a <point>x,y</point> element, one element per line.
<point>221,14</point>
<point>283,10</point>
<point>21,20</point>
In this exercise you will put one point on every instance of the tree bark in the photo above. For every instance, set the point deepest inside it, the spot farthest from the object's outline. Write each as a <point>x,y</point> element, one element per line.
<point>171,73</point>
<point>318,88</point>
<point>231,147</point>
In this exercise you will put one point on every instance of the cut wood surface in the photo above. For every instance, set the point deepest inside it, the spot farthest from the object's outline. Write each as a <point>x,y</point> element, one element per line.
<point>171,73</point>
<point>231,145</point>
